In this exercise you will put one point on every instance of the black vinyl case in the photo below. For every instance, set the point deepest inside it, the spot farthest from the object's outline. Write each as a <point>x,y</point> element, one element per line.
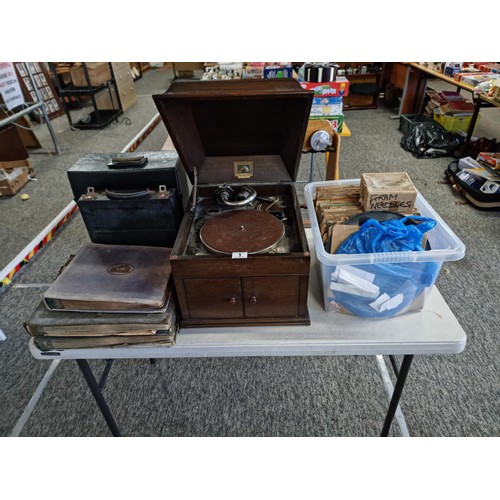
<point>140,205</point>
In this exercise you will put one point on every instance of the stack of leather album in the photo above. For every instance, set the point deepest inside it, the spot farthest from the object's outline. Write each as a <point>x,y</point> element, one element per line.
<point>108,296</point>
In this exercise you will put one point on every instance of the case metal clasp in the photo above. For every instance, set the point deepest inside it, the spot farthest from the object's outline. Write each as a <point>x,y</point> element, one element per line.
<point>162,192</point>
<point>90,194</point>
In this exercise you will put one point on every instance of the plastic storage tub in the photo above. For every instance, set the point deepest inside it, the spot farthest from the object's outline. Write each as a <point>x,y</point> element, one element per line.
<point>455,124</point>
<point>381,285</point>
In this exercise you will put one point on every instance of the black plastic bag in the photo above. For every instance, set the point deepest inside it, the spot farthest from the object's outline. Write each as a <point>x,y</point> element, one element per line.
<point>430,140</point>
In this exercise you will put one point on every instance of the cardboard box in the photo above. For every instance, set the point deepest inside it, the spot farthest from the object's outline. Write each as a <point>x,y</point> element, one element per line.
<point>338,88</point>
<point>228,66</point>
<point>187,69</point>
<point>327,100</point>
<point>99,73</point>
<point>491,159</point>
<point>11,181</point>
<point>475,79</point>
<point>326,109</point>
<point>326,106</point>
<point>460,75</point>
<point>392,191</point>
<point>252,72</point>
<point>489,67</point>
<point>450,68</point>
<point>337,121</point>
<point>278,71</point>
<point>495,93</point>
<point>104,100</point>
<point>9,165</point>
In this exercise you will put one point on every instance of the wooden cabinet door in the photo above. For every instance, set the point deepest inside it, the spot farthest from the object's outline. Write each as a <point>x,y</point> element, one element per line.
<point>271,296</point>
<point>214,298</point>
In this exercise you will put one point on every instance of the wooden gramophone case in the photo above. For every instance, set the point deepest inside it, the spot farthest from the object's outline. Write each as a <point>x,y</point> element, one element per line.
<point>240,133</point>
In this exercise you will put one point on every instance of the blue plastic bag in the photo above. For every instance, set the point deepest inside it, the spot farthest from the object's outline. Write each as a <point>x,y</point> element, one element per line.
<point>388,236</point>
<point>402,282</point>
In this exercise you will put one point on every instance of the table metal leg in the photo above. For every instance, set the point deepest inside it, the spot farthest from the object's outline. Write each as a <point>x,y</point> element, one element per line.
<point>104,376</point>
<point>394,364</point>
<point>96,392</point>
<point>472,124</point>
<point>396,395</point>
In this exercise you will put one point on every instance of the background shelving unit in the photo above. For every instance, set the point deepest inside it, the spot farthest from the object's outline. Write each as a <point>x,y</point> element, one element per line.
<point>98,118</point>
<point>372,76</point>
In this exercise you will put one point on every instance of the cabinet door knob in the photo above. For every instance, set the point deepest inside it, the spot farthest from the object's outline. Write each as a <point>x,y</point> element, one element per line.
<point>232,300</point>
<point>253,299</point>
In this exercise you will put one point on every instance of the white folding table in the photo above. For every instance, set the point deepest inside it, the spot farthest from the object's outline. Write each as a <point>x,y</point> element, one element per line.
<point>433,330</point>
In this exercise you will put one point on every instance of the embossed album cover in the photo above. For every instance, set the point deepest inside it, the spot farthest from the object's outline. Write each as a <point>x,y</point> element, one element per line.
<point>112,278</point>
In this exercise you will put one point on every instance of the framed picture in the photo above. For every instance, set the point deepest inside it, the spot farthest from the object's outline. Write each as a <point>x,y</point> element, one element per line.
<point>44,85</point>
<point>21,70</point>
<point>27,82</point>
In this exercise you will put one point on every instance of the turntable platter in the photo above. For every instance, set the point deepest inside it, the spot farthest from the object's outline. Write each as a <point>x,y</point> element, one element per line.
<point>250,231</point>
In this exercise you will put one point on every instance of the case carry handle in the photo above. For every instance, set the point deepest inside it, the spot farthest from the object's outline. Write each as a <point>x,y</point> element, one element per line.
<point>127,161</point>
<point>127,195</point>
